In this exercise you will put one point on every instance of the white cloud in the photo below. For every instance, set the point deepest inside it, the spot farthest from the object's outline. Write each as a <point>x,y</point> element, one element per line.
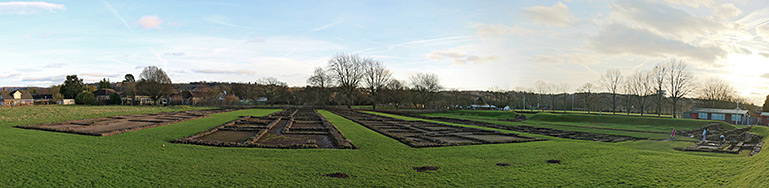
<point>459,56</point>
<point>617,39</point>
<point>17,7</point>
<point>7,76</point>
<point>726,11</point>
<point>150,22</point>
<point>216,71</point>
<point>664,20</point>
<point>556,15</point>
<point>55,65</point>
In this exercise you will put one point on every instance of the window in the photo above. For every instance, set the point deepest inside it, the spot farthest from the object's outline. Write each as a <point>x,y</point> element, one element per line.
<point>718,116</point>
<point>702,116</point>
<point>736,117</point>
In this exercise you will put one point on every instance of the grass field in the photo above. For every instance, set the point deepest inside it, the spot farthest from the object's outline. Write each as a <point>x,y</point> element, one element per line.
<point>32,158</point>
<point>659,128</point>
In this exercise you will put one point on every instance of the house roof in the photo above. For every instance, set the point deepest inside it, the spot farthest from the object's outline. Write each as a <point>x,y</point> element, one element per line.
<point>764,113</point>
<point>718,111</point>
<point>104,92</point>
<point>6,95</point>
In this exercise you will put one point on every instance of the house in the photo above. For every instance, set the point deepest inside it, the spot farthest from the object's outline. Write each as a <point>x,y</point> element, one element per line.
<point>66,102</point>
<point>16,98</point>
<point>103,94</point>
<point>184,98</point>
<point>43,99</point>
<point>764,118</point>
<point>733,116</point>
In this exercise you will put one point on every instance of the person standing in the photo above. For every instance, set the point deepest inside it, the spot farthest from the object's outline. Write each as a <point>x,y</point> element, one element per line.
<point>673,134</point>
<point>704,132</point>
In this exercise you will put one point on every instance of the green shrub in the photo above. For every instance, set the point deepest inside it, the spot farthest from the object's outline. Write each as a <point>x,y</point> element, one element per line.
<point>114,98</point>
<point>85,98</point>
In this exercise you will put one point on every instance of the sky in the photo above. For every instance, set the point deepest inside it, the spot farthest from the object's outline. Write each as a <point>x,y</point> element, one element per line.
<point>470,45</point>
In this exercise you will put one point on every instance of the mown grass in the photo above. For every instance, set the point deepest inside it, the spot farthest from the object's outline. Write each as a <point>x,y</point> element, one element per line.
<point>658,128</point>
<point>32,158</point>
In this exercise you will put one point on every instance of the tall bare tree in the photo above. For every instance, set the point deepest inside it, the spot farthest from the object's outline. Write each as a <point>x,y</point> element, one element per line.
<point>395,92</point>
<point>322,81</point>
<point>679,81</point>
<point>641,86</point>
<point>588,96</point>
<point>426,86</point>
<point>348,72</point>
<point>659,74</point>
<point>273,89</point>
<point>375,77</point>
<point>612,81</point>
<point>543,88</point>
<point>155,83</point>
<point>716,90</point>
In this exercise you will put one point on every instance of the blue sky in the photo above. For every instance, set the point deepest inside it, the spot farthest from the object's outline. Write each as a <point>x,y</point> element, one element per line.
<point>469,44</point>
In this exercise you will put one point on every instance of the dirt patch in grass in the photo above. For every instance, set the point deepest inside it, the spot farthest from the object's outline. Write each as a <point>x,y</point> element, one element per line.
<point>426,168</point>
<point>429,134</point>
<point>277,130</point>
<point>337,175</point>
<point>107,126</point>
<point>553,161</point>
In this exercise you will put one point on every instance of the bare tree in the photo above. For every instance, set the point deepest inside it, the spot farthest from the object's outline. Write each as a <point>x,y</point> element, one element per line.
<point>641,84</point>
<point>426,85</point>
<point>348,72</point>
<point>155,83</point>
<point>611,82</point>
<point>375,77</point>
<point>543,88</point>
<point>716,90</point>
<point>273,89</point>
<point>323,81</point>
<point>589,96</point>
<point>395,92</point>
<point>679,81</point>
<point>658,74</point>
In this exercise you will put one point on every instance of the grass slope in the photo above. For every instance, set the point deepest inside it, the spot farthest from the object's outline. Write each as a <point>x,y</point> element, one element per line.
<point>44,159</point>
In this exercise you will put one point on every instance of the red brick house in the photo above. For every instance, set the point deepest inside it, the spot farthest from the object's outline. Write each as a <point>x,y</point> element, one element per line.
<point>733,116</point>
<point>16,98</point>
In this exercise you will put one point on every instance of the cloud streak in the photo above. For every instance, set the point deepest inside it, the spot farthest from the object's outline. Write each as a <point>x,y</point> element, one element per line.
<point>116,14</point>
<point>21,8</point>
<point>328,25</point>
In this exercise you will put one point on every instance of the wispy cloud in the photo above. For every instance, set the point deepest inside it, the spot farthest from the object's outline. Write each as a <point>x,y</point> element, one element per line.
<point>58,78</point>
<point>94,74</point>
<point>116,13</point>
<point>55,65</point>
<point>18,7</point>
<point>328,25</point>
<point>215,71</point>
<point>225,21</point>
<point>14,75</point>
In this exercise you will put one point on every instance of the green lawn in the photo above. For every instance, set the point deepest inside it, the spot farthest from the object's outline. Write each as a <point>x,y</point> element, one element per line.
<point>32,158</point>
<point>605,124</point>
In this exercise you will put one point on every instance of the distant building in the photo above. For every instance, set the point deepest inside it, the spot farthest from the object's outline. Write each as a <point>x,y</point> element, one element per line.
<point>66,102</point>
<point>733,116</point>
<point>16,98</point>
<point>43,99</point>
<point>103,94</point>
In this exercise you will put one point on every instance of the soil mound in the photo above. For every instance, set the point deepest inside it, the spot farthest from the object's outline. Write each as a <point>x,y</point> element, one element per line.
<point>426,168</point>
